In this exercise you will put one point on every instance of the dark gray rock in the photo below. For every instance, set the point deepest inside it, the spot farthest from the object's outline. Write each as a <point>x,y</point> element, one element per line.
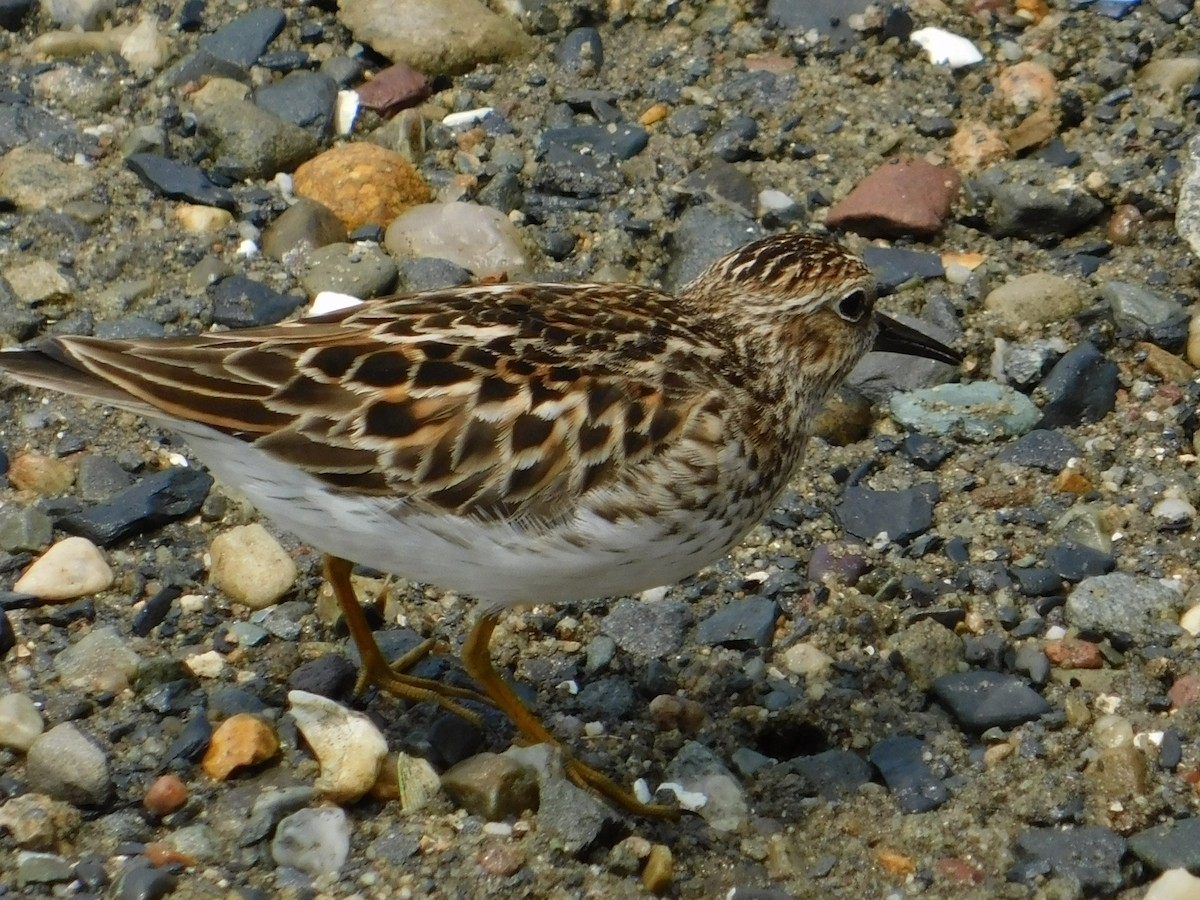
<point>831,774</point>
<point>151,503</point>
<point>609,699</point>
<point>865,513</point>
<point>648,629</point>
<point>1172,845</point>
<point>305,99</point>
<point>179,181</point>
<point>427,273</point>
<point>983,700</point>
<point>1075,562</point>
<point>914,786</point>
<point>241,302</point>
<point>1032,211</point>
<point>741,624</point>
<point>1119,603</point>
<point>581,51</point>
<point>243,40</point>
<point>1042,449</point>
<point>1091,855</point>
<point>894,266</point>
<point>1082,387</point>
<point>703,235</point>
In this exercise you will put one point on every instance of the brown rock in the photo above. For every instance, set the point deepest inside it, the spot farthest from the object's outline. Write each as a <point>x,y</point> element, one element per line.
<point>167,794</point>
<point>1126,223</point>
<point>395,88</point>
<point>1184,692</point>
<point>362,183</point>
<point>1072,481</point>
<point>1166,366</point>
<point>1073,653</point>
<point>501,860</point>
<point>492,786</point>
<point>976,145</point>
<point>659,871</point>
<point>41,475</point>
<point>1034,130</point>
<point>302,227</point>
<point>903,196</point>
<point>1027,85</point>
<point>241,740</point>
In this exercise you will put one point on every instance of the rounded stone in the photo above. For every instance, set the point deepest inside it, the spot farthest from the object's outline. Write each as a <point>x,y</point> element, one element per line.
<point>72,568</point>
<point>250,566</point>
<point>347,744</point>
<point>66,765</point>
<point>363,184</point>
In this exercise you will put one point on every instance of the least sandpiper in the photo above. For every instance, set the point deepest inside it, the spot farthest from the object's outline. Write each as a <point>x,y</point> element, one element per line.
<point>516,443</point>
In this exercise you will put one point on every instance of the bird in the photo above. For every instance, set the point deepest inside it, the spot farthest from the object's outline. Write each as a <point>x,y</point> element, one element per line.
<point>516,443</point>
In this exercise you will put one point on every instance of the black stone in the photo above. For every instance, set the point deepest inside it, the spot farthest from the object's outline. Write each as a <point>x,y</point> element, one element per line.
<point>1042,449</point>
<point>913,784</point>
<point>243,40</point>
<point>1057,154</point>
<point>192,741</point>
<point>428,273</point>
<point>285,60</point>
<point>622,141</point>
<point>1172,845</point>
<point>303,98</point>
<point>241,302</point>
<point>734,140</point>
<point>331,675</point>
<point>13,13</point>
<point>1036,581</point>
<point>154,501</point>
<point>191,15</point>
<point>225,700</point>
<point>576,174</point>
<point>452,739</point>
<point>141,881</point>
<point>864,513</point>
<point>831,774</point>
<point>581,51</point>
<point>894,266</point>
<point>179,181</point>
<point>8,635</point>
<point>1091,855</point>
<point>1082,387</point>
<point>741,624</point>
<point>155,609</point>
<point>983,700</point>
<point>608,699</point>
<point>1075,562</point>
<point>924,452</point>
<point>1033,211</point>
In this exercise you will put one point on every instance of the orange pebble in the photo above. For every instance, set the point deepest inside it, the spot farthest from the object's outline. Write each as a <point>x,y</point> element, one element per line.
<point>167,794</point>
<point>241,740</point>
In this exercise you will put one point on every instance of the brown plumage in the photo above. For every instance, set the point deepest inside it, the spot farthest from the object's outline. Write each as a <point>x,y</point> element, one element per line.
<point>537,442</point>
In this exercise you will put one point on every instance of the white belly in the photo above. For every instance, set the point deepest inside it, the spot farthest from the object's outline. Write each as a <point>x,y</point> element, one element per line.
<point>499,563</point>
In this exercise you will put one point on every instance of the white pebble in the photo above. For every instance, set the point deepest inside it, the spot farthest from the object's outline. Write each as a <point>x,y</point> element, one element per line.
<point>250,566</point>
<point>947,49</point>
<point>467,118</point>
<point>315,841</point>
<point>71,568</point>
<point>1174,884</point>
<point>807,660</point>
<point>1190,620</point>
<point>345,111</point>
<point>331,301</point>
<point>347,744</point>
<point>689,800</point>
<point>498,829</point>
<point>209,664</point>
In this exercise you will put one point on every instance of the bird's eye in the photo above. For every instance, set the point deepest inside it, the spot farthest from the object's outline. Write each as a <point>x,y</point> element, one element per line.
<point>853,306</point>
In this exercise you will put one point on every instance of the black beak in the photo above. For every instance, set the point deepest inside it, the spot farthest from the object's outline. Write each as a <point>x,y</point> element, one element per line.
<point>896,337</point>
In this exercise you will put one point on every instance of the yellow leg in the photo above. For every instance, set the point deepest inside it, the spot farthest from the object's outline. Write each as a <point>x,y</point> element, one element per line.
<point>375,668</point>
<point>478,662</point>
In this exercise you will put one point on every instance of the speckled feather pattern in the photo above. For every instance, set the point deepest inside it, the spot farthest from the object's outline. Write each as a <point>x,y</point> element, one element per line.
<point>557,440</point>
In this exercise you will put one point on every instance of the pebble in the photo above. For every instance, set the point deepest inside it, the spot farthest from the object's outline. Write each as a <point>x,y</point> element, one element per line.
<point>696,769</point>
<point>912,783</point>
<point>928,651</point>
<point>179,181</point>
<point>1033,300</point>
<point>33,179</point>
<point>145,48</point>
<point>394,88</point>
<point>202,219</point>
<point>659,870</point>
<point>65,764</point>
<point>1136,308</point>
<point>1044,449</point>
<point>895,266</point>
<point>1027,86</point>
<point>980,700</point>
<point>1090,854</point>
<point>100,477</point>
<point>41,868</point>
<point>1082,387</point>
<point>41,475</point>
<point>101,661</point>
<point>900,515</point>
<point>742,624</point>
<point>20,722</point>
<point>38,281</point>
<point>648,629</point>
<point>139,880</point>
<point>165,795</point>
<point>906,196</point>
<point>243,40</point>
<point>251,142</point>
<point>1073,653</point>
<point>74,567</point>
<point>975,146</point>
<point>358,270</point>
<point>161,497</point>
<point>477,238</point>
<point>1173,512</point>
<point>361,183</point>
<point>1174,884</point>
<point>808,661</point>
<point>1164,365</point>
<point>315,841</point>
<point>251,566</point>
<point>37,822</point>
<point>210,664</point>
<point>416,781</point>
<point>241,302</point>
<point>1119,603</point>
<point>305,99</point>
<point>240,741</point>
<point>348,745</point>
<point>1190,620</point>
<point>1033,211</point>
<point>27,528</point>
<point>494,786</point>
<point>568,815</point>
<point>1187,205</point>
<point>946,48</point>
<point>1173,845</point>
<point>302,227</point>
<point>452,36</point>
<point>978,411</point>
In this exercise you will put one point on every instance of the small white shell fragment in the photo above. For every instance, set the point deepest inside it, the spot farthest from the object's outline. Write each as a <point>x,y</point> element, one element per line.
<point>689,800</point>
<point>467,117</point>
<point>348,745</point>
<point>345,111</point>
<point>947,49</point>
<point>331,301</point>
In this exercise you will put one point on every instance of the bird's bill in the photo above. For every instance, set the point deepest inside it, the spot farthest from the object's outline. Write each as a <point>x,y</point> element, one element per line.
<point>896,337</point>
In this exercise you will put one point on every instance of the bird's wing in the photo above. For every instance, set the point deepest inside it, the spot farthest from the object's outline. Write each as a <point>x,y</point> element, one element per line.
<point>494,401</point>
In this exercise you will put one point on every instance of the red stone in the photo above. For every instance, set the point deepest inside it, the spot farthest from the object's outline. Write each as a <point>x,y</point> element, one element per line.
<point>393,89</point>
<point>903,196</point>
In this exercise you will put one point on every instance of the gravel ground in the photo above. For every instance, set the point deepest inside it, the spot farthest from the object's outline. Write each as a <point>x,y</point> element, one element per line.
<point>956,663</point>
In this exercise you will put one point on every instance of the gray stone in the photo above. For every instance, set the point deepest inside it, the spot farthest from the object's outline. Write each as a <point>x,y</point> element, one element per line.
<point>25,529</point>
<point>649,629</point>
<point>1172,845</point>
<point>1032,211</point>
<point>979,411</point>
<point>697,769</point>
<point>741,624</point>
<point>1137,308</point>
<point>1118,603</point>
<point>703,235</point>
<point>360,270</point>
<point>66,765</point>
<point>301,228</point>
<point>253,143</point>
<point>315,841</point>
<point>981,700</point>
<point>1187,207</point>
